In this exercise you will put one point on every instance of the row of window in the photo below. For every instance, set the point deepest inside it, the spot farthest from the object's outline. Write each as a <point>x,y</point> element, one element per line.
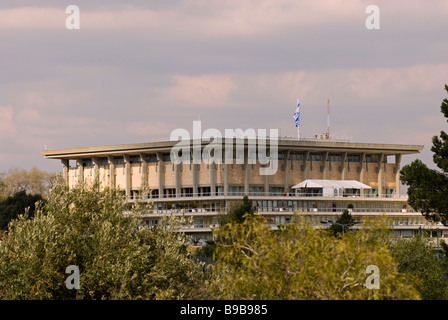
<point>293,156</point>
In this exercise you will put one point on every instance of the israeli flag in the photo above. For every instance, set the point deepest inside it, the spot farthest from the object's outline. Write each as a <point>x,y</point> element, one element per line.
<point>297,114</point>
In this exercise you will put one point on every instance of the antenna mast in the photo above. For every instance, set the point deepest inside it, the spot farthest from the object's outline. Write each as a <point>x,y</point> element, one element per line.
<point>328,118</point>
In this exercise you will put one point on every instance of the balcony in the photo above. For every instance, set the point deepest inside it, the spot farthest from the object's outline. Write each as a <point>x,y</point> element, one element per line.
<point>236,195</point>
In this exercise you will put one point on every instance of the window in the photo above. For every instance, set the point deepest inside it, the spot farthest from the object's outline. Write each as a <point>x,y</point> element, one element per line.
<point>87,163</point>
<point>354,158</point>
<point>276,191</point>
<point>256,190</point>
<point>296,156</point>
<point>103,162</point>
<point>334,157</point>
<point>236,190</point>
<point>315,157</point>
<point>118,160</point>
<point>198,223</point>
<point>166,157</point>
<point>135,159</point>
<point>151,158</point>
<point>187,192</point>
<point>371,158</point>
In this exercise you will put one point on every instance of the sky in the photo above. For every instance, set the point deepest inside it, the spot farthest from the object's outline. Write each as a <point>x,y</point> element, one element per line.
<point>137,70</point>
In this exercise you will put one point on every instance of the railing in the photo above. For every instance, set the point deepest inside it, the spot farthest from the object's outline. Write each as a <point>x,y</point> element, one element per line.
<point>269,194</point>
<point>285,210</point>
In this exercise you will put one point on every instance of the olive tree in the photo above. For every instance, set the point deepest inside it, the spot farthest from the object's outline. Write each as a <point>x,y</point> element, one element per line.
<point>300,261</point>
<point>103,237</point>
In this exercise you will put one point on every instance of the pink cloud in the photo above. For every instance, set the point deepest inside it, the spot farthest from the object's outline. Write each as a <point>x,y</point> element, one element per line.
<point>29,116</point>
<point>7,126</point>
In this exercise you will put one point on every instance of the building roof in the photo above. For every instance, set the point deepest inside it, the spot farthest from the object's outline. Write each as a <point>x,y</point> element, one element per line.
<point>283,145</point>
<point>335,184</point>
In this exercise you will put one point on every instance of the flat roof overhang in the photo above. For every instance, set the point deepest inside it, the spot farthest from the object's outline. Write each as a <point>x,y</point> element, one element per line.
<point>283,145</point>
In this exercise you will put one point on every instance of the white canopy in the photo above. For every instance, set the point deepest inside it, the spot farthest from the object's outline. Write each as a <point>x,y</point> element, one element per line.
<point>335,184</point>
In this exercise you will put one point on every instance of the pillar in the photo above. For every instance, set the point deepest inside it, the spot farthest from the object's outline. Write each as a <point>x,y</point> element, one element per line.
<point>397,175</point>
<point>226,179</point>
<point>246,174</point>
<point>65,170</point>
<point>177,179</point>
<point>144,170</point>
<point>380,174</point>
<point>342,169</point>
<point>96,170</point>
<point>161,173</point>
<point>305,165</point>
<point>80,171</point>
<point>127,172</point>
<point>212,168</point>
<point>323,167</point>
<point>286,168</point>
<point>362,166</point>
<point>110,159</point>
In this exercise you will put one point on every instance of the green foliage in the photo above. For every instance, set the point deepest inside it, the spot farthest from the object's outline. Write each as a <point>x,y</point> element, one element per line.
<point>427,188</point>
<point>417,258</point>
<point>302,262</point>
<point>19,204</point>
<point>237,212</point>
<point>343,224</point>
<point>117,258</point>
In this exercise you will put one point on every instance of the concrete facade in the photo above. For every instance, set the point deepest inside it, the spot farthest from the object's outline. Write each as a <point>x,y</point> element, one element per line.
<point>212,187</point>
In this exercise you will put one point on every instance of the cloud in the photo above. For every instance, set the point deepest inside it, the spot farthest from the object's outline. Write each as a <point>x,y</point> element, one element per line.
<point>211,91</point>
<point>149,129</point>
<point>7,126</point>
<point>29,116</point>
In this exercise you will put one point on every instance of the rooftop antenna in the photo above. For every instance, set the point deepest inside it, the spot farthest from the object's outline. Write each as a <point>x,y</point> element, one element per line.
<point>328,118</point>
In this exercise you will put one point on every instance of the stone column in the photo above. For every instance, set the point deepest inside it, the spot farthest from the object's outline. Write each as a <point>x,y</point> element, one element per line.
<point>286,167</point>
<point>80,171</point>
<point>246,174</point>
<point>65,170</point>
<point>397,175</point>
<point>266,185</point>
<point>212,168</point>
<point>323,167</point>
<point>144,170</point>
<point>110,159</point>
<point>380,174</point>
<point>178,178</point>
<point>161,173</point>
<point>342,169</point>
<point>362,166</point>
<point>96,170</point>
<point>305,165</point>
<point>127,171</point>
<point>226,179</point>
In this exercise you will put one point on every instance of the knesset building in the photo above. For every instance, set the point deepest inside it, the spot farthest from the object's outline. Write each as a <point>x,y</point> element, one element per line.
<point>318,178</point>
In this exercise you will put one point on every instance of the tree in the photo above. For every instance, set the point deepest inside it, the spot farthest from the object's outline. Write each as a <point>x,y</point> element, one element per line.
<point>417,258</point>
<point>33,181</point>
<point>19,204</point>
<point>99,233</point>
<point>342,224</point>
<point>238,211</point>
<point>427,188</point>
<point>303,262</point>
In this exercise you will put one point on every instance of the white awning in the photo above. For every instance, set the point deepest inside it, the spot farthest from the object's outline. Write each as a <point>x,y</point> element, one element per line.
<point>335,184</point>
